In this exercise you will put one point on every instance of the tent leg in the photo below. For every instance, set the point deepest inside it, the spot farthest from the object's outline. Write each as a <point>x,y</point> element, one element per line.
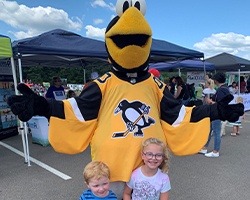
<point>27,143</point>
<point>24,130</point>
<point>23,126</point>
<point>238,82</point>
<point>23,140</point>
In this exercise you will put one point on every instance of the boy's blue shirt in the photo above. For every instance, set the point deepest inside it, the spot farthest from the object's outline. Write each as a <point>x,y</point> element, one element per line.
<point>88,194</point>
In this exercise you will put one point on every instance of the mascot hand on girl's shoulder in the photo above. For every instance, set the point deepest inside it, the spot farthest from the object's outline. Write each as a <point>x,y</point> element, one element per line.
<point>226,111</point>
<point>28,105</point>
<point>230,112</point>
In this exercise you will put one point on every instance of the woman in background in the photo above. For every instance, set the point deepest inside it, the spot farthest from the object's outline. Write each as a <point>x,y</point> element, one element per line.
<point>209,91</point>
<point>182,93</point>
<point>171,85</point>
<point>56,90</point>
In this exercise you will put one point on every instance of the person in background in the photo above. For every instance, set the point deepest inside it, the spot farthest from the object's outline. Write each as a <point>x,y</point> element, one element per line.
<point>236,125</point>
<point>242,84</point>
<point>208,76</point>
<point>54,88</point>
<point>233,88</point>
<point>96,175</point>
<point>94,75</point>
<point>248,85</point>
<point>182,93</point>
<point>171,85</point>
<point>70,94</point>
<point>209,91</point>
<point>222,91</point>
<point>150,181</point>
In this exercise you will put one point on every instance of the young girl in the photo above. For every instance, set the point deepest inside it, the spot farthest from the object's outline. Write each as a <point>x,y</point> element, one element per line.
<point>151,180</point>
<point>209,90</point>
<point>237,124</point>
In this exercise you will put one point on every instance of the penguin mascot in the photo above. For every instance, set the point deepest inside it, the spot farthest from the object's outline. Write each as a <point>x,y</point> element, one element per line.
<point>124,106</point>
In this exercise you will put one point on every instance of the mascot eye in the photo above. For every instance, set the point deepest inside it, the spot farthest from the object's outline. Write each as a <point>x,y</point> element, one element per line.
<point>122,6</point>
<point>140,5</point>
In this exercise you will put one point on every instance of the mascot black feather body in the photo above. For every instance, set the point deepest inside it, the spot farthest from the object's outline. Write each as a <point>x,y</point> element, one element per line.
<point>125,106</point>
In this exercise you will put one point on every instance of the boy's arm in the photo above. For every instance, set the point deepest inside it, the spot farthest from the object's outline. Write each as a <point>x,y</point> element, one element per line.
<point>164,196</point>
<point>127,193</point>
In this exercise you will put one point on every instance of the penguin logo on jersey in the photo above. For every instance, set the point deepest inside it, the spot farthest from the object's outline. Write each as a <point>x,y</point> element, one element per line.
<point>135,116</point>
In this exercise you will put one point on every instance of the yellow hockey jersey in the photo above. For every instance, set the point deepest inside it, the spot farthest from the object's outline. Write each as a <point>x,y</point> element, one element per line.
<point>114,115</point>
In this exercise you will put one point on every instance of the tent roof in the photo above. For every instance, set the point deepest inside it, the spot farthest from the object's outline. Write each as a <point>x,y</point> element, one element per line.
<point>229,62</point>
<point>160,49</point>
<point>61,42</point>
<point>59,48</point>
<point>62,48</point>
<point>5,47</point>
<point>185,65</point>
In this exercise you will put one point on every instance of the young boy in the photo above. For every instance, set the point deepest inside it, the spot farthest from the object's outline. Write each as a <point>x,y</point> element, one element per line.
<point>96,175</point>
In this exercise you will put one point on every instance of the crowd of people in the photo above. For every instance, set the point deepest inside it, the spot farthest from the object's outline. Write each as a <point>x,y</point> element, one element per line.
<point>56,90</point>
<point>243,86</point>
<point>211,96</point>
<point>215,89</point>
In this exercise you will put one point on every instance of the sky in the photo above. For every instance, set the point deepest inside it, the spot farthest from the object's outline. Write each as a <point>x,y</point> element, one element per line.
<point>211,27</point>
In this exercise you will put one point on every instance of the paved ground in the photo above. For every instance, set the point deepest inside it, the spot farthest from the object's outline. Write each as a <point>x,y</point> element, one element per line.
<point>192,177</point>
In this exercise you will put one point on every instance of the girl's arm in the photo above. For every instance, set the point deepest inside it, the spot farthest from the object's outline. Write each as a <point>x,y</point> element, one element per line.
<point>163,196</point>
<point>127,193</point>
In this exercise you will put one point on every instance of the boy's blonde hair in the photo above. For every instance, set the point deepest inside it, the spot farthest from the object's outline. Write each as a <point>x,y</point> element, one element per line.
<point>95,170</point>
<point>239,99</point>
<point>164,165</point>
<point>210,83</point>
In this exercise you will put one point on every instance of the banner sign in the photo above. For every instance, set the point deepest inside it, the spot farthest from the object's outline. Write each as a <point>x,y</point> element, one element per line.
<point>8,121</point>
<point>195,77</point>
<point>246,101</point>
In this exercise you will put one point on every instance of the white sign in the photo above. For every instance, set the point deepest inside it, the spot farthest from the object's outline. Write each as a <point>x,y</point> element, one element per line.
<point>195,77</point>
<point>246,101</point>
<point>59,95</point>
<point>5,68</point>
<point>75,86</point>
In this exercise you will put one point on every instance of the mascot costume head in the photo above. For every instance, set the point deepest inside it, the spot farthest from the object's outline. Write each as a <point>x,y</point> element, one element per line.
<point>117,111</point>
<point>129,36</point>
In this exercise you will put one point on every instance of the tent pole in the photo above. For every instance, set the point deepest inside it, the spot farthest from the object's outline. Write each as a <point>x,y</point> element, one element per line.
<point>204,66</point>
<point>14,74</point>
<point>25,149</point>
<point>23,125</point>
<point>238,82</point>
<point>84,76</point>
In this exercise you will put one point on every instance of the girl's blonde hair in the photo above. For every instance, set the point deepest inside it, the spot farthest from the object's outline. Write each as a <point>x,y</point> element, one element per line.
<point>239,99</point>
<point>164,165</point>
<point>210,82</point>
<point>96,170</point>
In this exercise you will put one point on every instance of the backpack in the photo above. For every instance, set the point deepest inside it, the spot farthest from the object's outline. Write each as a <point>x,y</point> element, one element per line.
<point>193,94</point>
<point>191,91</point>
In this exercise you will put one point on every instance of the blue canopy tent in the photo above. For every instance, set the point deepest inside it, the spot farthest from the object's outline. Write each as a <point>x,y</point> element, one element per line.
<point>162,51</point>
<point>58,48</point>
<point>185,65</point>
